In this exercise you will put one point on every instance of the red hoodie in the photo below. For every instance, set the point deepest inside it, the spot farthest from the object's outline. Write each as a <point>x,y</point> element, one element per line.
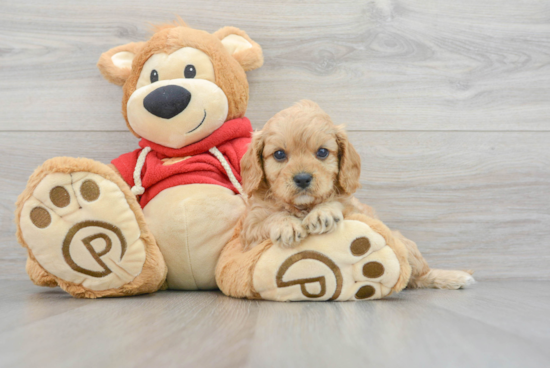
<point>191,164</point>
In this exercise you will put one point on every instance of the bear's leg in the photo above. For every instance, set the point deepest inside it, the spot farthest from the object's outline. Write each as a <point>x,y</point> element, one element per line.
<point>235,268</point>
<point>84,231</point>
<point>354,262</point>
<point>394,243</point>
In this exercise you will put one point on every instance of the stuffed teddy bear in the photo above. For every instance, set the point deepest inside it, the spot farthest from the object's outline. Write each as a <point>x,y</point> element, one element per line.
<point>167,214</point>
<point>158,216</point>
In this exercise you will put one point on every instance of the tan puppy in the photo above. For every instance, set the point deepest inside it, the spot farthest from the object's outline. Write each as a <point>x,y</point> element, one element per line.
<point>300,173</point>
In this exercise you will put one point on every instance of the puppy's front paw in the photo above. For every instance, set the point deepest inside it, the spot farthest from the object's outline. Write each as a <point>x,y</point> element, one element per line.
<point>288,233</point>
<point>322,220</point>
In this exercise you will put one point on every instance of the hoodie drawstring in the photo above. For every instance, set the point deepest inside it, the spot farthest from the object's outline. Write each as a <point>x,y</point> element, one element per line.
<point>138,189</point>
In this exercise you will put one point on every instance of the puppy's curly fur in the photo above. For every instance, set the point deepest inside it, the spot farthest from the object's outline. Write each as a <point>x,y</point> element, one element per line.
<point>300,174</point>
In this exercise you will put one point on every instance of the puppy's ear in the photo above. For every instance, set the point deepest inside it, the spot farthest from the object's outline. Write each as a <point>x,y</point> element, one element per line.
<point>349,163</point>
<point>252,168</point>
<point>247,52</point>
<point>116,64</point>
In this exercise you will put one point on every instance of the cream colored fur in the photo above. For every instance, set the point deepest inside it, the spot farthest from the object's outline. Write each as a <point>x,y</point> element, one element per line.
<point>191,246</point>
<point>65,219</point>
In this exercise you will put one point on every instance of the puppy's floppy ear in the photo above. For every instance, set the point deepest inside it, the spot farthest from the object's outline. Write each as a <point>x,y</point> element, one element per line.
<point>116,64</point>
<point>247,52</point>
<point>252,168</point>
<point>349,163</point>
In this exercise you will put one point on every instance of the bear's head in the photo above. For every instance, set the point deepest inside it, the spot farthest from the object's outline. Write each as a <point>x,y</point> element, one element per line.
<point>184,83</point>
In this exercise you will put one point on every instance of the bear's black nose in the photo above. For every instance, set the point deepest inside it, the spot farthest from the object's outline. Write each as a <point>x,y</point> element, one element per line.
<point>168,101</point>
<point>303,180</point>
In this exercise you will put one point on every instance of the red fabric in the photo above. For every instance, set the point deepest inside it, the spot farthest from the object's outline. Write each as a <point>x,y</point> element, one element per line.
<point>232,139</point>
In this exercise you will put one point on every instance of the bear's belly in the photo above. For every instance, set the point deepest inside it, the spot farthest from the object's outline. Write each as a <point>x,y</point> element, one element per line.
<point>191,224</point>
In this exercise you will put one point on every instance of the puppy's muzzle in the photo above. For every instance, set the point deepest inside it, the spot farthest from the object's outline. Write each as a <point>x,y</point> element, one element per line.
<point>167,102</point>
<point>302,180</point>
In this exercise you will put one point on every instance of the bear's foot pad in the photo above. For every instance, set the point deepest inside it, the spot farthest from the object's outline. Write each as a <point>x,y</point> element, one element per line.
<point>81,229</point>
<point>351,263</point>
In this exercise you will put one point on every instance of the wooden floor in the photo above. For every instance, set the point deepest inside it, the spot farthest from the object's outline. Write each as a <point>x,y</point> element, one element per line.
<point>493,324</point>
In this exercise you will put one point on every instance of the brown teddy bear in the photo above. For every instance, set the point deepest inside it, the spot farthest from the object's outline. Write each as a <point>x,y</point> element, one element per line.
<point>159,215</point>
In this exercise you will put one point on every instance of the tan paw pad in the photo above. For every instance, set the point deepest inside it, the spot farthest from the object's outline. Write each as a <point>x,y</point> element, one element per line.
<point>81,229</point>
<point>367,291</point>
<point>351,263</point>
<point>382,267</point>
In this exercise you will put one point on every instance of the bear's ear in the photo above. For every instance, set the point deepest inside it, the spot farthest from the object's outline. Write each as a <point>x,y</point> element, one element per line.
<point>247,52</point>
<point>116,64</point>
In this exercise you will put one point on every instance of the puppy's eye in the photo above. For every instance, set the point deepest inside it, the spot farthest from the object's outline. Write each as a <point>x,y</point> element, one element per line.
<point>154,76</point>
<point>190,71</point>
<point>279,155</point>
<point>322,153</point>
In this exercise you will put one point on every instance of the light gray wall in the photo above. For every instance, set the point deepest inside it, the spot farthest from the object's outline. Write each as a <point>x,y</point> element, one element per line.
<point>447,102</point>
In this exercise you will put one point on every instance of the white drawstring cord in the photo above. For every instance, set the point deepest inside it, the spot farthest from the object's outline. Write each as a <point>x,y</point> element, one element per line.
<point>137,189</point>
<point>216,152</point>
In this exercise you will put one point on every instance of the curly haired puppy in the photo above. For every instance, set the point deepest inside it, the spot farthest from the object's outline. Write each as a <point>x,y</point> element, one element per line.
<point>300,173</point>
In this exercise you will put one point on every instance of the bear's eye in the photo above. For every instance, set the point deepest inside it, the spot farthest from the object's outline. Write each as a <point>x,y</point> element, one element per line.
<point>279,155</point>
<point>190,71</point>
<point>322,153</point>
<point>154,76</point>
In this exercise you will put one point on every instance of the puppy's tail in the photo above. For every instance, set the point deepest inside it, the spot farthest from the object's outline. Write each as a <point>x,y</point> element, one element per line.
<point>443,279</point>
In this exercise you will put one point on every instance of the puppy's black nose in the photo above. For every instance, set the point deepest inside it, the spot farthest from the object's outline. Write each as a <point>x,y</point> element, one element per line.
<point>167,102</point>
<point>303,180</point>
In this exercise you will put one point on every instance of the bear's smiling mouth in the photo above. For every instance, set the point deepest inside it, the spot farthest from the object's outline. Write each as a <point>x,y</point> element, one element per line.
<point>198,126</point>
